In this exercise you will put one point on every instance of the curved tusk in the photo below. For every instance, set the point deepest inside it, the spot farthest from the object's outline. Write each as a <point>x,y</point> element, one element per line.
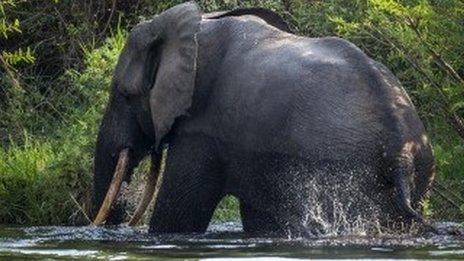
<point>150,191</point>
<point>115,186</point>
<point>146,198</point>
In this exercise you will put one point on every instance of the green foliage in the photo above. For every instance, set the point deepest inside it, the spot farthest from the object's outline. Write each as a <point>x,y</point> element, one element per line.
<point>33,188</point>
<point>8,27</point>
<point>42,173</point>
<point>227,209</point>
<point>18,56</point>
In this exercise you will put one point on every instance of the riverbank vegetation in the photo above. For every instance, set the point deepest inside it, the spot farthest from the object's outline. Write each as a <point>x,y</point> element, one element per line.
<point>57,59</point>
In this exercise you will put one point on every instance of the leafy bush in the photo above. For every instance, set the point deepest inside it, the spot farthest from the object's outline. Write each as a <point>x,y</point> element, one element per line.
<point>41,177</point>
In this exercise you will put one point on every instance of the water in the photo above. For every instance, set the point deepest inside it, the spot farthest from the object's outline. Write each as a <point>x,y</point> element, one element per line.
<point>223,240</point>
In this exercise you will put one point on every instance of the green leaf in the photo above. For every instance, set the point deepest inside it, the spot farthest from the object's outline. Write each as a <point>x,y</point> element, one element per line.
<point>457,106</point>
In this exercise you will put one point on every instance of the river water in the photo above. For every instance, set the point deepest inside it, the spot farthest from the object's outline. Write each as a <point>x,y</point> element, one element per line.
<point>223,240</point>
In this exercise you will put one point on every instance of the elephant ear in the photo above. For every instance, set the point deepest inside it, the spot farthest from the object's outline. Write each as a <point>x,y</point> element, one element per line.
<point>171,95</point>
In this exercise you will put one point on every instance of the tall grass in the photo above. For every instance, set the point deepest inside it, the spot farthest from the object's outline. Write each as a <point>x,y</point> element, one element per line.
<point>44,171</point>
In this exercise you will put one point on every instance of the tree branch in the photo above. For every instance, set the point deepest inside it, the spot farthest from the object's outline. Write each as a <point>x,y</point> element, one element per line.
<point>10,72</point>
<point>436,56</point>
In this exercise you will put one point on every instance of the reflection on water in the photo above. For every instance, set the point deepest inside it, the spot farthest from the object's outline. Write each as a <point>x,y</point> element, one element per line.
<point>223,240</point>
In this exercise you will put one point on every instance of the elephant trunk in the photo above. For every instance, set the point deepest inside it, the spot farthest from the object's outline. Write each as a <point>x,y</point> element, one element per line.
<point>121,144</point>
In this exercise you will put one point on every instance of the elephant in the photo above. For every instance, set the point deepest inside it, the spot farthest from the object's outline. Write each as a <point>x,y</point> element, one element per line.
<point>302,131</point>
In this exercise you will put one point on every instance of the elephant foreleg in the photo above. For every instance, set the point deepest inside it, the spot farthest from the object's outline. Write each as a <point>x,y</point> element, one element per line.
<point>191,189</point>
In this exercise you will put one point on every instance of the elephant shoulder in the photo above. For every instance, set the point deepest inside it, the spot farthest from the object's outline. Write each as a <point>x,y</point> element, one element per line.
<point>342,49</point>
<point>270,17</point>
<point>349,58</point>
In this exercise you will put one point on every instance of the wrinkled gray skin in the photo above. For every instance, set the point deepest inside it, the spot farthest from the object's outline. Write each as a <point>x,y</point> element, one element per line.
<point>275,119</point>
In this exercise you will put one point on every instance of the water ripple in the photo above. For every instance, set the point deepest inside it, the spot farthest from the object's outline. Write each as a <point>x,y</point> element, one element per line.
<point>221,240</point>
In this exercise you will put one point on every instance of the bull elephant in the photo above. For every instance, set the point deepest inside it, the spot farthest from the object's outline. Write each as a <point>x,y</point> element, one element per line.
<point>298,129</point>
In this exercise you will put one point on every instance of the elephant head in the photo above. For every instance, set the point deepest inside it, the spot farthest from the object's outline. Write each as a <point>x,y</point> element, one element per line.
<point>153,84</point>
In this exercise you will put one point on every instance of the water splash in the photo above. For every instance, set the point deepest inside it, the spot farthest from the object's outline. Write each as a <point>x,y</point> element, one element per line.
<point>339,200</point>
